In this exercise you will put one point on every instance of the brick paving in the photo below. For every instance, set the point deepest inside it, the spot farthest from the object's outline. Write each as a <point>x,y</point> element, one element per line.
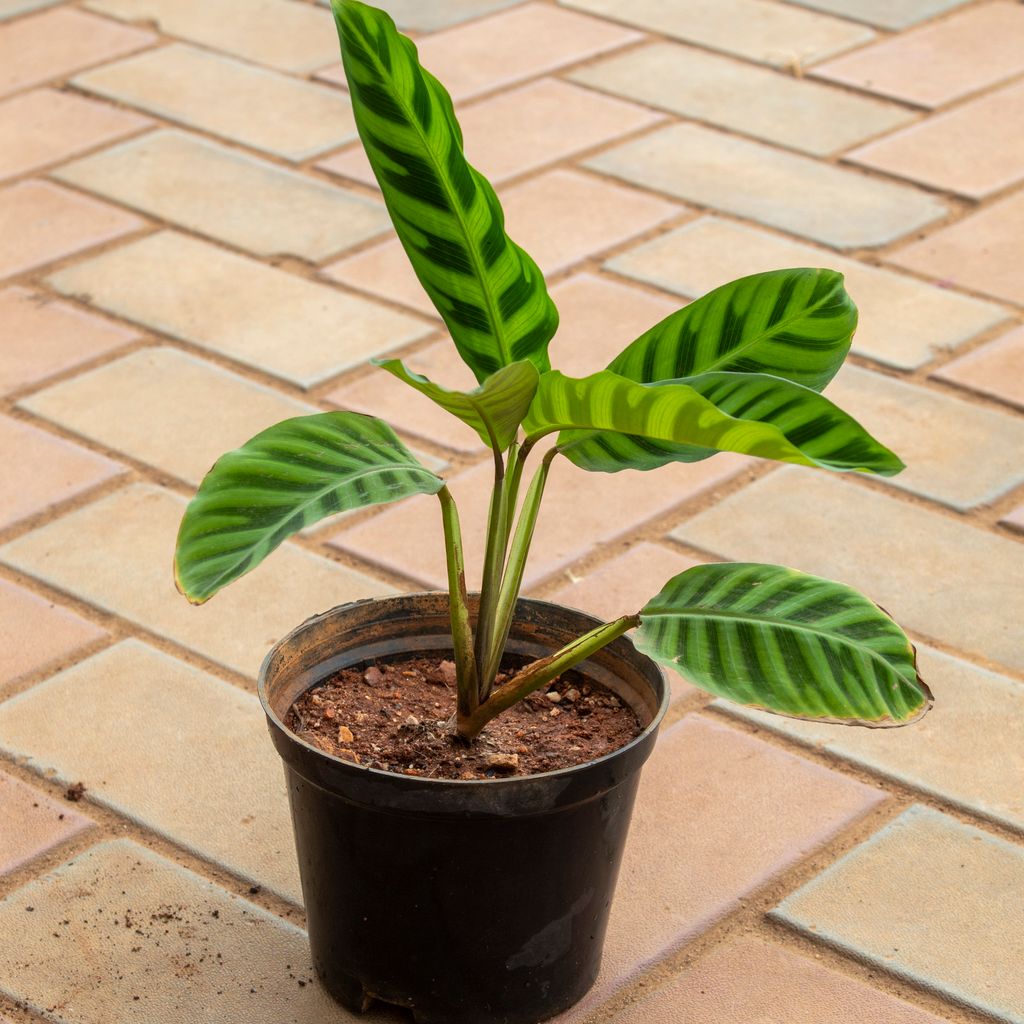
<point>191,249</point>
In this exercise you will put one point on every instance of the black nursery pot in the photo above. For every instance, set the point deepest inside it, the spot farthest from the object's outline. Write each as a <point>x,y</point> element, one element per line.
<point>469,902</point>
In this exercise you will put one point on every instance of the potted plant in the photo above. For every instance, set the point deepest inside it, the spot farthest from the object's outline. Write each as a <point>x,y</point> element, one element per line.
<point>448,863</point>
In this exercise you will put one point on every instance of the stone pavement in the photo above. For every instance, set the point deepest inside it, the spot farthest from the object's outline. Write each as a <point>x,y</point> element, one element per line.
<point>191,248</point>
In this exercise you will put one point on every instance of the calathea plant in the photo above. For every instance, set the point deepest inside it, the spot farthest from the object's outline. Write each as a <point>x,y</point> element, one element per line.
<point>741,369</point>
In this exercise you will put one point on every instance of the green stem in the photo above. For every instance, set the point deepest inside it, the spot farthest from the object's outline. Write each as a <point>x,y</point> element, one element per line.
<point>542,672</point>
<point>494,562</point>
<point>458,605</point>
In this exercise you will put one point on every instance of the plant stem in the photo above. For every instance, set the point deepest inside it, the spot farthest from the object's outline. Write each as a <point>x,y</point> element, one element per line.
<point>462,633</point>
<point>541,672</point>
<point>494,562</point>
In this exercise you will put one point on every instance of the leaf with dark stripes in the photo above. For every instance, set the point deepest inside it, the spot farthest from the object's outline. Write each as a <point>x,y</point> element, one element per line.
<point>494,410</point>
<point>490,293</point>
<point>779,640</point>
<point>609,423</point>
<point>281,481</point>
<point>796,324</point>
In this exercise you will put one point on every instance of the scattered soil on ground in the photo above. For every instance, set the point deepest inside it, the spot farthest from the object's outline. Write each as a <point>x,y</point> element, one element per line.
<point>395,716</point>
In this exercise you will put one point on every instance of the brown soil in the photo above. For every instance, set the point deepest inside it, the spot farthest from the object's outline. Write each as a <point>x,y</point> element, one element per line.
<point>395,717</point>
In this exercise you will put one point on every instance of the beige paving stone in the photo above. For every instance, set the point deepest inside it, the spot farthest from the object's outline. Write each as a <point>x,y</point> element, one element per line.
<point>897,900</point>
<point>750,980</point>
<point>903,322</point>
<point>40,336</point>
<point>12,8</point>
<point>936,64</point>
<point>729,812</point>
<point>599,318</point>
<point>560,218</point>
<point>295,329</point>
<point>936,575</point>
<point>36,633</point>
<point>32,823</point>
<point>768,33</point>
<point>956,452</point>
<point>892,14</point>
<point>42,470</point>
<point>1015,519</point>
<point>969,749</point>
<point>581,511</point>
<point>127,570</point>
<point>255,106</point>
<point>416,15</point>
<point>289,36</point>
<point>524,129</point>
<point>995,369</point>
<point>191,952</point>
<point>784,190</point>
<point>215,191</point>
<point>43,126</point>
<point>979,252</point>
<point>966,150</point>
<point>796,113</point>
<point>141,719</point>
<point>40,223</point>
<point>52,44</point>
<point>165,408</point>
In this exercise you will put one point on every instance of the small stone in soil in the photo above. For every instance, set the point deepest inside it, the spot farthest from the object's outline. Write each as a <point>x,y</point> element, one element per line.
<point>373,675</point>
<point>502,762</point>
<point>344,733</point>
<point>554,696</point>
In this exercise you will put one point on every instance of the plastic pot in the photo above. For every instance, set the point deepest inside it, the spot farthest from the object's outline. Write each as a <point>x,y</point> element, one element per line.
<point>469,902</point>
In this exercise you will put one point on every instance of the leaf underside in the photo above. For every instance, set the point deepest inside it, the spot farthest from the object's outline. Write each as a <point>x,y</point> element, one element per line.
<point>283,480</point>
<point>489,292</point>
<point>779,640</point>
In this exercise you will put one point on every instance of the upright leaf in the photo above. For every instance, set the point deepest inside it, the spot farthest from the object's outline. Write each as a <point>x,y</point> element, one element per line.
<point>780,640</point>
<point>283,480</point>
<point>490,293</point>
<point>795,324</point>
<point>608,423</point>
<point>494,410</point>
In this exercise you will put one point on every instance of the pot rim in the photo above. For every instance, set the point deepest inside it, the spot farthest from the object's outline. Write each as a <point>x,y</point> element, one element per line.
<point>510,781</point>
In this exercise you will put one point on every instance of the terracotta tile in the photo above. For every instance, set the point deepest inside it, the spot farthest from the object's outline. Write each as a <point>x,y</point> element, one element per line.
<point>796,113</point>
<point>942,464</point>
<point>995,369</point>
<point>514,45</point>
<point>939,63</point>
<point>33,823</point>
<point>134,405</point>
<point>418,16</point>
<point>255,106</point>
<point>141,715</point>
<point>292,37</point>
<point>103,971</point>
<point>41,127</point>
<point>41,470</point>
<point>599,318</point>
<point>116,554</point>
<point>258,315</point>
<point>979,252</point>
<point>55,43</point>
<point>936,575</point>
<point>974,710</point>
<point>903,322</point>
<point>718,815</point>
<point>896,901</point>
<point>36,633</point>
<point>785,190</point>
<point>581,511</point>
<point>214,190</point>
<point>40,223</point>
<point>749,980</point>
<point>524,129</point>
<point>43,336</point>
<point>967,150</point>
<point>768,33</point>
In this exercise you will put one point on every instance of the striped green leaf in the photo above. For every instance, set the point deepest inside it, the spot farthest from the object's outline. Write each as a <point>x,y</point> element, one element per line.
<point>609,423</point>
<point>283,480</point>
<point>795,324</point>
<point>490,293</point>
<point>780,640</point>
<point>494,410</point>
